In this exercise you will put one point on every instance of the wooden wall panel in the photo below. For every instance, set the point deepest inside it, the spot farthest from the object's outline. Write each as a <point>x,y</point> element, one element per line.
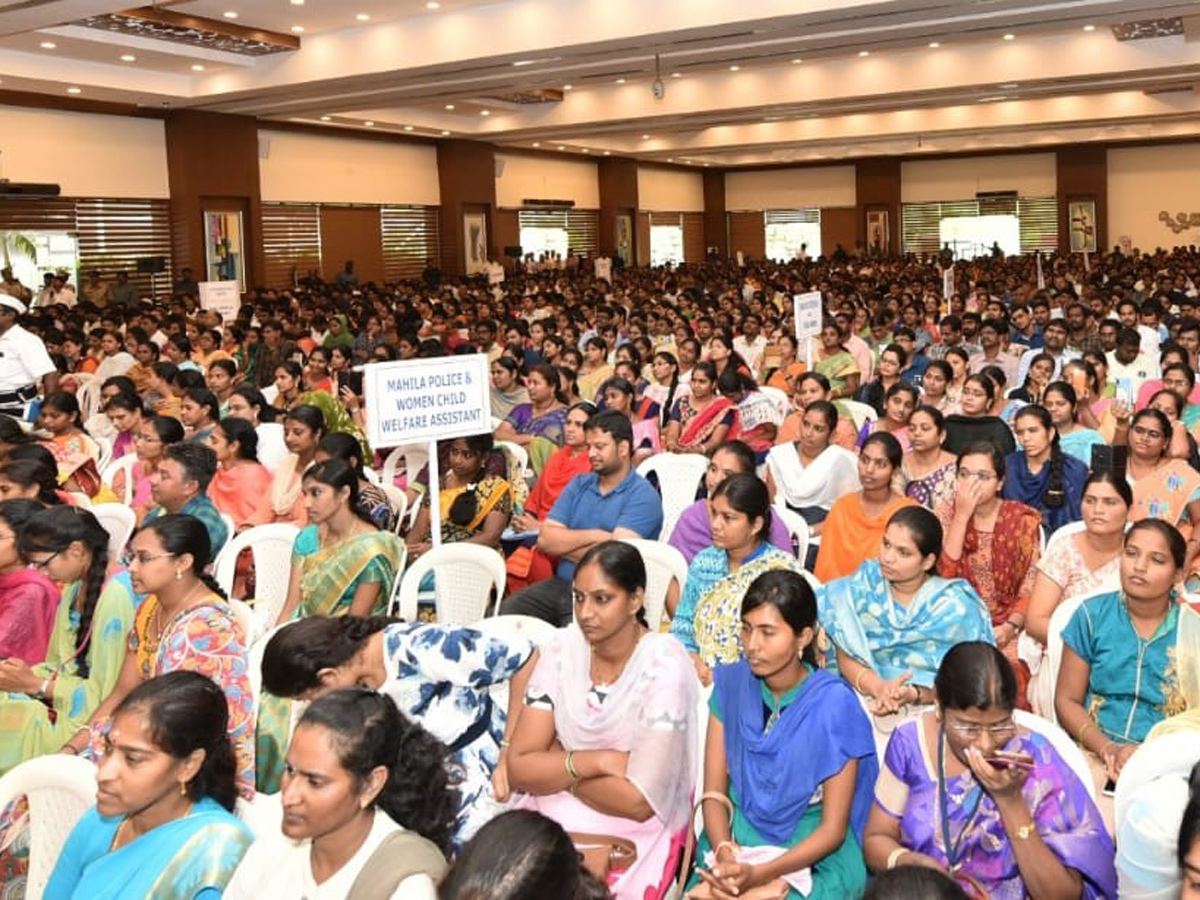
<point>641,228</point>
<point>693,237</point>
<point>1082,174</point>
<point>716,230</point>
<point>291,242</point>
<point>467,180</point>
<point>747,233</point>
<point>349,232</point>
<point>838,226</point>
<point>618,196</point>
<point>508,231</point>
<point>877,187</point>
<point>410,241</point>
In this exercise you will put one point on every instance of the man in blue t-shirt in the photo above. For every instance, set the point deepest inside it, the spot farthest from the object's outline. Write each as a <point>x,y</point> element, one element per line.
<point>611,501</point>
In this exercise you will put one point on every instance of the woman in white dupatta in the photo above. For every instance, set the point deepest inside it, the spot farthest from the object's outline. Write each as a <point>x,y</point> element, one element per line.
<point>810,474</point>
<point>605,743</point>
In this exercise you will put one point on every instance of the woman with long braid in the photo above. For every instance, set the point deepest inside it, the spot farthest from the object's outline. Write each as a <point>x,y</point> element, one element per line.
<point>1041,475</point>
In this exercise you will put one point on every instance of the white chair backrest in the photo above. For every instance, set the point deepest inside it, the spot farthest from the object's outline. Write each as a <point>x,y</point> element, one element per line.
<point>371,475</point>
<point>88,396</point>
<point>413,457</point>
<point>60,789</point>
<point>119,521</point>
<point>250,625</point>
<point>797,527</point>
<point>271,548</point>
<point>123,464</point>
<point>1062,742</point>
<point>702,713</point>
<point>679,476</point>
<point>465,576</point>
<point>397,500</point>
<point>663,563</point>
<point>517,458</point>
<point>860,412</point>
<point>779,399</point>
<point>1171,755</point>
<point>106,451</point>
<point>254,657</point>
<point>263,815</point>
<point>1054,647</point>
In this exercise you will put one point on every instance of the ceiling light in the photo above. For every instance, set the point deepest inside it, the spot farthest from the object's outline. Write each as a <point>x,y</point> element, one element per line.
<point>1089,27</point>
<point>369,123</point>
<point>196,67</point>
<point>363,17</point>
<point>297,2</point>
<point>485,112</point>
<point>408,128</point>
<point>645,137</point>
<point>620,81</point>
<point>676,74</point>
<point>445,134</point>
<point>230,14</point>
<point>433,4</point>
<point>586,150</point>
<point>48,45</point>
<point>864,52</point>
<point>449,106</point>
<point>561,147</point>
<point>128,57</point>
<point>297,29</point>
<point>670,159</point>
<point>537,143</point>
<point>567,87</point>
<point>325,118</point>
<point>1010,37</point>
<point>797,61</point>
<point>734,68</point>
<point>607,152</point>
<point>933,45</point>
<point>74,90</point>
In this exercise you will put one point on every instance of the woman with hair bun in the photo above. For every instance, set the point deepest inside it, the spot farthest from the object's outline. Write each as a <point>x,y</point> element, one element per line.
<point>367,808</point>
<point>163,823</point>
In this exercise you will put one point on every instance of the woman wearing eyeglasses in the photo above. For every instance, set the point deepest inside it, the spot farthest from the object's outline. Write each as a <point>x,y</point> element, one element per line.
<point>965,791</point>
<point>976,423</point>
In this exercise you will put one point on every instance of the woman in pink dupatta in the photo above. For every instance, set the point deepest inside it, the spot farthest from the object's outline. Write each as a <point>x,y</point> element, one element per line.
<point>241,487</point>
<point>28,599</point>
<point>703,419</point>
<point>605,742</point>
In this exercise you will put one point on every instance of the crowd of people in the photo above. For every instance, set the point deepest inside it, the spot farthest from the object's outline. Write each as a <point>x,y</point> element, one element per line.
<point>998,475</point>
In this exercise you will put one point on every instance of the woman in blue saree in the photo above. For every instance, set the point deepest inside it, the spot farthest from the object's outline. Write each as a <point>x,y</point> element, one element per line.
<point>1041,475</point>
<point>790,758</point>
<point>163,824</point>
<point>966,791</point>
<point>892,621</point>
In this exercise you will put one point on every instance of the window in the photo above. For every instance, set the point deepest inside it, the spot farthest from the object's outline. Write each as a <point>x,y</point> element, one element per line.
<point>972,236</point>
<point>560,231</point>
<point>666,239</point>
<point>787,230</point>
<point>970,227</point>
<point>541,239</point>
<point>32,254</point>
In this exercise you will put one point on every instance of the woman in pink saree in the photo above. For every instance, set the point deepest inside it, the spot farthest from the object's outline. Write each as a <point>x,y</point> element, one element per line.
<point>28,599</point>
<point>605,742</point>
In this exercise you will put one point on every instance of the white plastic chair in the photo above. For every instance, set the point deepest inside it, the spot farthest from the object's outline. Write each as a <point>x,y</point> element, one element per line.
<point>779,399</point>
<point>797,527</point>
<point>124,464</point>
<point>859,412</point>
<point>119,521</point>
<point>1054,647</point>
<point>1067,748</point>
<point>465,576</point>
<point>106,451</point>
<point>1169,755</point>
<point>702,713</point>
<point>397,500</point>
<point>263,815</point>
<point>60,789</point>
<point>371,475</point>
<point>517,458</point>
<point>679,477</point>
<point>271,548</point>
<point>88,396</point>
<point>251,627</point>
<point>414,457</point>
<point>663,563</point>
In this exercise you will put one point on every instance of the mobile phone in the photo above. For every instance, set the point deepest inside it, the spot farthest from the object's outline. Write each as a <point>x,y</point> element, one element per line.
<point>352,380</point>
<point>1110,788</point>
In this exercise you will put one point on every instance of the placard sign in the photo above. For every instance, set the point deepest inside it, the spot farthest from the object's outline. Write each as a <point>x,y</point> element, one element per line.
<point>807,308</point>
<point>418,400</point>
<point>223,296</point>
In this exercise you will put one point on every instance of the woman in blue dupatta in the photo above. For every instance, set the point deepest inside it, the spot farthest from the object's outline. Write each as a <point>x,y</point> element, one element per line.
<point>893,620</point>
<point>163,824</point>
<point>1042,475</point>
<point>790,758</point>
<point>966,791</point>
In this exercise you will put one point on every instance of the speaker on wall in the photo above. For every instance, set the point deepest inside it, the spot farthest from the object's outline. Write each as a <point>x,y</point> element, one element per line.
<point>152,265</point>
<point>513,252</point>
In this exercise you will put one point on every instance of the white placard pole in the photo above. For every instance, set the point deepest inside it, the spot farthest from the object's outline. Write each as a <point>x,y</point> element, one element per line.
<point>435,505</point>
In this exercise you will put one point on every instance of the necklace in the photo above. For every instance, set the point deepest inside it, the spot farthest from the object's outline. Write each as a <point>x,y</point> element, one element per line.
<point>154,637</point>
<point>597,679</point>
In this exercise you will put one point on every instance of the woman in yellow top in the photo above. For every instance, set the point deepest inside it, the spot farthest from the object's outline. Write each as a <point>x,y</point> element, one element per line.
<point>595,369</point>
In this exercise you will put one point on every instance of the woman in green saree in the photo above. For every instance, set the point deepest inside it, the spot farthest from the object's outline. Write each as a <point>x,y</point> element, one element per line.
<point>834,361</point>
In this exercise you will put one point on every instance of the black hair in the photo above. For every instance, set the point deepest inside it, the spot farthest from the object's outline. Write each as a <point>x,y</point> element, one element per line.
<point>228,365</point>
<point>902,387</point>
<point>734,381</point>
<point>520,855</point>
<point>507,362</point>
<point>129,402</point>
<point>664,413</point>
<point>924,527</point>
<point>818,378</point>
<point>942,366</point>
<point>55,529</point>
<point>939,418</point>
<point>985,383</point>
<point>188,380</point>
<point>1056,494</point>
<point>791,594</point>
<point>1168,532</point>
<point>991,451</point>
<point>900,353</point>
<point>1160,418</point>
<point>913,883</point>
<point>292,367</point>
<point>547,373</point>
<point>243,433</point>
<point>975,675</point>
<point>340,445</point>
<point>186,712</point>
<point>612,423</point>
<point>620,384</point>
<point>307,415</point>
<point>891,447</point>
<point>254,397</point>
<point>338,473</point>
<point>1175,400</point>
<point>198,462</point>
<point>180,533</point>
<point>1114,478</point>
<point>207,399</point>
<point>1189,825</point>
<point>1067,391</point>
<point>368,732</point>
<point>747,494</point>
<point>827,411</point>
<point>298,651</point>
<point>64,402</point>
<point>18,511</point>
<point>168,428</point>
<point>11,432</point>
<point>29,472</point>
<point>465,506</point>
<point>622,564</point>
<point>747,461</point>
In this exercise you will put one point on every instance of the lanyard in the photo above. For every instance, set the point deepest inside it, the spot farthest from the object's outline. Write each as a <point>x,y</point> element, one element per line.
<point>951,847</point>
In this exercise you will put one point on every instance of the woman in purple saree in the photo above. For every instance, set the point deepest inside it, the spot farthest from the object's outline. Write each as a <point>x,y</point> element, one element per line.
<point>966,791</point>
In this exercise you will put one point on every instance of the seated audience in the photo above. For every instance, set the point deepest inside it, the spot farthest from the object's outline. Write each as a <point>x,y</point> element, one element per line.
<point>31,478</point>
<point>155,434</point>
<point>163,823</point>
<point>303,428</point>
<point>600,686</point>
<point>836,363</point>
<point>809,388</point>
<point>200,413</point>
<point>1163,488</point>
<point>892,621</point>
<point>975,423</point>
<point>247,402</point>
<point>789,761</point>
<point>810,474</point>
<point>565,463</point>
<point>619,395</point>
<point>706,620</point>
<point>508,388</point>
<point>898,405</point>
<point>126,413</point>
<point>538,425</point>
<point>28,599</point>
<point>702,419</point>
<point>757,416</point>
<point>1024,822</point>
<point>1040,474</point>
<point>1061,402</point>
<point>610,501</point>
<point>852,530</point>
<point>59,420</point>
<point>372,499</point>
<point>241,486</point>
<point>367,807</point>
<point>47,702</point>
<point>179,485</point>
<point>928,470</point>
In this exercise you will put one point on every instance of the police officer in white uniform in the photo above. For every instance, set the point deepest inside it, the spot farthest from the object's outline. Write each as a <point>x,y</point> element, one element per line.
<point>24,361</point>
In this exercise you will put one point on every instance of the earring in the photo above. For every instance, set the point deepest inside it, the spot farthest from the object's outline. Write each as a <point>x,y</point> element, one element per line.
<point>183,789</point>
<point>178,575</point>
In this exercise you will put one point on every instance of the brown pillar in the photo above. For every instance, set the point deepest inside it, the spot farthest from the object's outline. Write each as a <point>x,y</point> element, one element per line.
<point>716,234</point>
<point>1082,172</point>
<point>877,186</point>
<point>467,179</point>
<point>212,166</point>
<point>618,197</point>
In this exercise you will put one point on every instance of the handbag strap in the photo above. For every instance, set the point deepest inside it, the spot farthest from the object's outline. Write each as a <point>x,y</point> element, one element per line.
<point>690,843</point>
<point>400,855</point>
